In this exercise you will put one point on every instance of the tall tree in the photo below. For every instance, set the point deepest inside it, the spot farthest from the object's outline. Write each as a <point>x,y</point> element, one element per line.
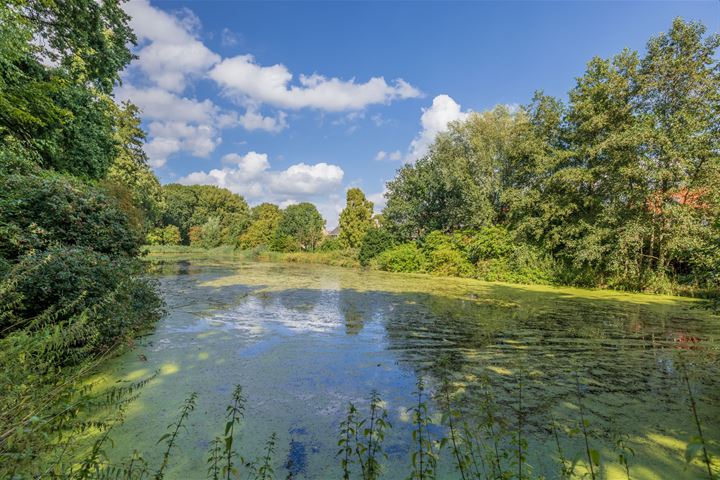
<point>355,219</point>
<point>264,221</point>
<point>304,223</point>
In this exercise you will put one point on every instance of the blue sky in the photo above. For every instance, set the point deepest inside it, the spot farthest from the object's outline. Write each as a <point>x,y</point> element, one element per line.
<point>288,102</point>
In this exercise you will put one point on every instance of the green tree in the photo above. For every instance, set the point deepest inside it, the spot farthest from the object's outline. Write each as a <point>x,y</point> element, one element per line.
<point>355,219</point>
<point>130,167</point>
<point>264,221</point>
<point>303,223</point>
<point>460,182</point>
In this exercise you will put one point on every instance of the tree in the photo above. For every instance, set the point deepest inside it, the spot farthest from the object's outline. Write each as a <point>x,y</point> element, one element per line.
<point>264,221</point>
<point>191,206</point>
<point>355,219</point>
<point>460,182</point>
<point>303,223</point>
<point>130,167</point>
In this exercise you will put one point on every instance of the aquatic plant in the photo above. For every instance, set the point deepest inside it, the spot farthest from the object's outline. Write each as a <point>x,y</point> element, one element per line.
<point>171,437</point>
<point>424,458</point>
<point>698,444</point>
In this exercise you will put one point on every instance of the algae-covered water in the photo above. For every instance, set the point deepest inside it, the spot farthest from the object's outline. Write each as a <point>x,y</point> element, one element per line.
<point>304,340</point>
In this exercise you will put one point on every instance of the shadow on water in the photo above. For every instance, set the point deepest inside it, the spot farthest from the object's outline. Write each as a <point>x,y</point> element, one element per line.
<point>305,341</point>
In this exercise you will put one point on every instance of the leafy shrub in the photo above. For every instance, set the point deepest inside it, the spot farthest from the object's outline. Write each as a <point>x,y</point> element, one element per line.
<point>330,244</point>
<point>38,211</point>
<point>53,286</point>
<point>211,235</point>
<point>284,243</point>
<point>406,257</point>
<point>168,235</point>
<point>195,236</point>
<point>523,264</point>
<point>450,262</point>
<point>375,241</point>
<point>490,243</point>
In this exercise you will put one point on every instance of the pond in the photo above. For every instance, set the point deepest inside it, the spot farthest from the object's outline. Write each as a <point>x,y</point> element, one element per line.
<point>304,340</point>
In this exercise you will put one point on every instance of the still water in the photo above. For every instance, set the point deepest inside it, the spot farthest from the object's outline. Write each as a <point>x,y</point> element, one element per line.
<point>304,340</point>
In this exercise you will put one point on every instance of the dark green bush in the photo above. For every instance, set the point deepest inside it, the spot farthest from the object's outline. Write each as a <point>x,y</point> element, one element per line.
<point>54,286</point>
<point>406,257</point>
<point>490,243</point>
<point>375,241</point>
<point>38,211</point>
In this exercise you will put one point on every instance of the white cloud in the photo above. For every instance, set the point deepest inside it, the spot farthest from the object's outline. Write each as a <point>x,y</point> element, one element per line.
<point>307,179</point>
<point>434,120</point>
<point>393,156</point>
<point>171,137</point>
<point>243,77</point>
<point>251,165</point>
<point>170,53</point>
<point>180,124</point>
<point>250,175</point>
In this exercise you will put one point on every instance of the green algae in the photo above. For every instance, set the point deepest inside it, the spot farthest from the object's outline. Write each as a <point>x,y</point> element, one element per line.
<point>303,340</point>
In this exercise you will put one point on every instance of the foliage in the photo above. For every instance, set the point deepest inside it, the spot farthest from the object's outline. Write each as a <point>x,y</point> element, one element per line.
<point>38,211</point>
<point>169,235</point>
<point>406,257</point>
<point>130,167</point>
<point>355,219</point>
<point>620,187</point>
<point>193,206</point>
<point>301,222</point>
<point>264,221</point>
<point>330,244</point>
<point>375,241</point>
<point>211,233</point>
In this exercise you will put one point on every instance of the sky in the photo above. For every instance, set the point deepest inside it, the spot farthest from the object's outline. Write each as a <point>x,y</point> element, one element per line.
<point>299,101</point>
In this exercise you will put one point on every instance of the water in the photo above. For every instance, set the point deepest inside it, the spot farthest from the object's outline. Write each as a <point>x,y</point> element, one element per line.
<point>304,340</point>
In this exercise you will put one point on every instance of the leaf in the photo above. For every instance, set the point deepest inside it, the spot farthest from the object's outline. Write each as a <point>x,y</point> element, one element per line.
<point>595,456</point>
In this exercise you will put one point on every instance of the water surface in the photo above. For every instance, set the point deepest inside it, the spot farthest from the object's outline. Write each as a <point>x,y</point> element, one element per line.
<point>304,340</point>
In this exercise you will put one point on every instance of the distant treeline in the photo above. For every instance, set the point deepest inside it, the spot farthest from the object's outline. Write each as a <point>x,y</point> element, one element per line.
<point>617,187</point>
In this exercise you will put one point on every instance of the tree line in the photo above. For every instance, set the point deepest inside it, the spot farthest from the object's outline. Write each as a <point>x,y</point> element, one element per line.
<point>619,186</point>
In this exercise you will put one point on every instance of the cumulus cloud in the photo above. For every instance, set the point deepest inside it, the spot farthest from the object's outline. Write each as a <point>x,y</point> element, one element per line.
<point>170,52</point>
<point>250,175</point>
<point>434,120</point>
<point>180,124</point>
<point>243,77</point>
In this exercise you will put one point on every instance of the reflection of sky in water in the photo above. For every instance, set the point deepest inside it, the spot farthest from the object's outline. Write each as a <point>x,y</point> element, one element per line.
<point>305,340</point>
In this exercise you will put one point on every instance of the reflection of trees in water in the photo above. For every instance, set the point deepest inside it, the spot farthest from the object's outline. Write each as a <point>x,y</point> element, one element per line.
<point>619,352</point>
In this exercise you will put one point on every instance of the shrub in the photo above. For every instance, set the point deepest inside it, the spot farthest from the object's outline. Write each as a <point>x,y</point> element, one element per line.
<point>169,235</point>
<point>450,262</point>
<point>375,241</point>
<point>284,243</point>
<point>61,283</point>
<point>490,243</point>
<point>406,257</point>
<point>330,244</point>
<point>195,236</point>
<point>211,235</point>
<point>38,211</point>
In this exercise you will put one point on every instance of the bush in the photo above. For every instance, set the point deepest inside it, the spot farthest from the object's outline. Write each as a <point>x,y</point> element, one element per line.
<point>448,261</point>
<point>211,235</point>
<point>406,257</point>
<point>195,236</point>
<point>66,283</point>
<point>490,243</point>
<point>39,211</point>
<point>375,241</point>
<point>169,235</point>
<point>330,244</point>
<point>284,243</point>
